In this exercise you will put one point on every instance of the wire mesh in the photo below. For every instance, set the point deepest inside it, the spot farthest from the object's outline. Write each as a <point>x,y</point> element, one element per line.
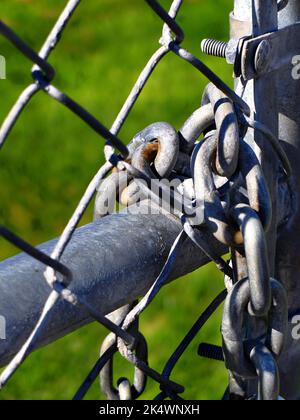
<point>125,338</point>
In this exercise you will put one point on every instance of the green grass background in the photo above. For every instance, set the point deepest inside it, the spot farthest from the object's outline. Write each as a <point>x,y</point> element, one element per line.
<point>51,155</point>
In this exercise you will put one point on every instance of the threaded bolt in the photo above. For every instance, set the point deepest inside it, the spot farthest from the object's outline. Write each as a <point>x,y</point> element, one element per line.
<point>214,47</point>
<point>209,351</point>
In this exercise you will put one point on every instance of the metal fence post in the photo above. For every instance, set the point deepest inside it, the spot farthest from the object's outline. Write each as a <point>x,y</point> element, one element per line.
<point>276,99</point>
<point>106,276</point>
<point>288,246</point>
<point>261,17</point>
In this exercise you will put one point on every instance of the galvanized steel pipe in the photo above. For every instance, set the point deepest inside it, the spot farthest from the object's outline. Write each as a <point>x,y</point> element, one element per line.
<point>106,272</point>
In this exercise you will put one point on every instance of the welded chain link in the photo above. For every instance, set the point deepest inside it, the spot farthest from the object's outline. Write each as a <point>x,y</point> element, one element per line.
<point>219,176</point>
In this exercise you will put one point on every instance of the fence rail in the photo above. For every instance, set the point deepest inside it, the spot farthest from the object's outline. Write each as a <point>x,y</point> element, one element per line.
<point>239,214</point>
<point>22,293</point>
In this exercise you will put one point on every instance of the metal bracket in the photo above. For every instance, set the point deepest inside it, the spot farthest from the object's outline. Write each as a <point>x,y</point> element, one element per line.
<point>270,52</point>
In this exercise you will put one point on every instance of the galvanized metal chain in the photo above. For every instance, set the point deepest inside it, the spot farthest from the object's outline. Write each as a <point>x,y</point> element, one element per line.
<point>218,174</point>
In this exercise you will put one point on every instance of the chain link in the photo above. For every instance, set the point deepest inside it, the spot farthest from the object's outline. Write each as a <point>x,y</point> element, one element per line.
<point>220,175</point>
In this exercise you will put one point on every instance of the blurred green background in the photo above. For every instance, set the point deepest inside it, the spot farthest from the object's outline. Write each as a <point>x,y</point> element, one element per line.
<point>51,155</point>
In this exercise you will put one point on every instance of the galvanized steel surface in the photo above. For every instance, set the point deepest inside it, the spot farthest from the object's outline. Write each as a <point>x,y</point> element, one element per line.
<point>226,176</point>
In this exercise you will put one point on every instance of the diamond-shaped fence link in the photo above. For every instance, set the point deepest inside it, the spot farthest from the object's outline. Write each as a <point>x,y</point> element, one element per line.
<point>222,109</point>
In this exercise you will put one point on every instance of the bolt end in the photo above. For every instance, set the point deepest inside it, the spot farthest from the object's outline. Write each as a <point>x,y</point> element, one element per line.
<point>214,48</point>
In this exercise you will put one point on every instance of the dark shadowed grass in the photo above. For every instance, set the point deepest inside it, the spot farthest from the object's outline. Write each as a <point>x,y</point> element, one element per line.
<point>51,155</point>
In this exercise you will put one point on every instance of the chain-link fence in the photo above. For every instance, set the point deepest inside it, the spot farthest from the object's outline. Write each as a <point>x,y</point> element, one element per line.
<point>215,187</point>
